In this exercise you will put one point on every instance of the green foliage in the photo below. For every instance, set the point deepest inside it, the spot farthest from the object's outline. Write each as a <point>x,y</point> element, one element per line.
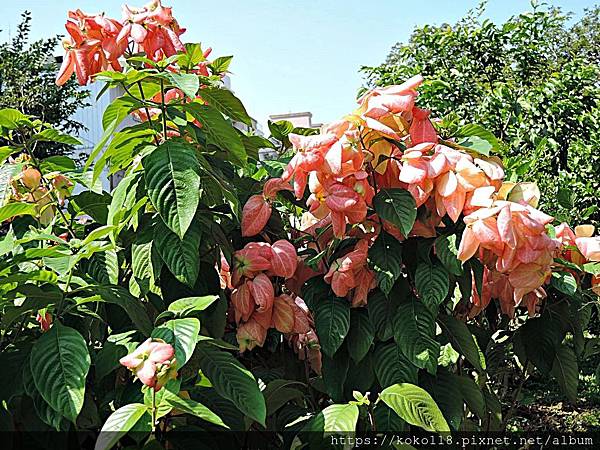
<point>332,321</point>
<point>233,381</point>
<point>88,279</point>
<point>415,406</point>
<point>27,71</point>
<point>59,365</point>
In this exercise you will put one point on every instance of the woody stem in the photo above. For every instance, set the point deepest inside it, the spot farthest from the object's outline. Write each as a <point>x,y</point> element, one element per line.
<point>153,410</point>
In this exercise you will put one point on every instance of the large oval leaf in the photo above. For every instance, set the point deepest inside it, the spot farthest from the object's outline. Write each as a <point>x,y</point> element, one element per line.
<point>385,257</point>
<point>182,334</point>
<point>232,381</point>
<point>340,418</point>
<point>180,255</point>
<point>120,296</point>
<point>461,339</point>
<point>566,372</point>
<point>187,305</point>
<point>219,131</point>
<point>415,406</point>
<point>59,365</point>
<point>414,332</point>
<point>432,283</point>
<point>16,209</point>
<point>227,103</point>
<point>396,206</point>
<point>173,182</point>
<point>391,366</point>
<point>332,320</point>
<point>118,424</point>
<point>447,251</point>
<point>361,334</point>
<point>192,407</point>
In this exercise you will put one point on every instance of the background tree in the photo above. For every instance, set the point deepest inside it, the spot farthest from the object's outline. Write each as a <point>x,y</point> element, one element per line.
<point>532,81</point>
<point>27,73</point>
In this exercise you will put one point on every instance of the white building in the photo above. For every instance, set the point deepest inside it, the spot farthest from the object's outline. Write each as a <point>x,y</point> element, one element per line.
<point>91,118</point>
<point>298,119</point>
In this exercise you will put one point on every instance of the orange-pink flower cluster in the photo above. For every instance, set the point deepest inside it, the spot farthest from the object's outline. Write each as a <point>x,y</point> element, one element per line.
<point>153,362</point>
<point>510,239</point>
<point>388,142</point>
<point>256,306</point>
<point>95,43</point>
<point>350,274</point>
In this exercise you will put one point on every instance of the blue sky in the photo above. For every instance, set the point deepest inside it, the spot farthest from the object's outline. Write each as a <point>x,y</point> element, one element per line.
<point>301,55</point>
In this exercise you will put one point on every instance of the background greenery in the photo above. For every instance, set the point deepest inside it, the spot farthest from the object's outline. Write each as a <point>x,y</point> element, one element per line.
<point>27,73</point>
<point>532,81</point>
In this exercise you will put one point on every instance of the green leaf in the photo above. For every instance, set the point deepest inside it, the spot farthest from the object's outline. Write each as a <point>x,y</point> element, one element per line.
<point>93,204</point>
<point>232,381</point>
<point>5,152</point>
<point>334,372</point>
<point>52,135</point>
<point>189,83</point>
<point>391,366</point>
<point>461,339</point>
<point>35,275</point>
<point>432,283</point>
<point>187,305</point>
<point>132,306</point>
<point>415,406</point>
<point>592,268</point>
<point>387,420</point>
<point>97,234</point>
<point>385,257</point>
<point>340,418</point>
<point>565,197</point>
<point>447,251</point>
<point>566,372</point>
<point>219,131</point>
<point>396,206</point>
<point>173,182</point>
<point>180,255</point>
<point>414,332</point>
<point>59,364</point>
<point>192,407</point>
<point>114,114</point>
<point>182,334</point>
<point>280,129</point>
<point>564,282</point>
<point>537,341</point>
<point>472,395</point>
<point>12,118</point>
<point>118,424</point>
<point>332,321</point>
<point>476,144</point>
<point>125,200</point>
<point>476,138</point>
<point>221,64</point>
<point>146,263</point>
<point>279,392</point>
<point>224,101</point>
<point>361,334</point>
<point>16,209</point>
<point>445,391</point>
<point>381,313</point>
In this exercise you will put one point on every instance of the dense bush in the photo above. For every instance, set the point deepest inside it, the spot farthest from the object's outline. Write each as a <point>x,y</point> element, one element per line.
<point>395,294</point>
<point>532,81</point>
